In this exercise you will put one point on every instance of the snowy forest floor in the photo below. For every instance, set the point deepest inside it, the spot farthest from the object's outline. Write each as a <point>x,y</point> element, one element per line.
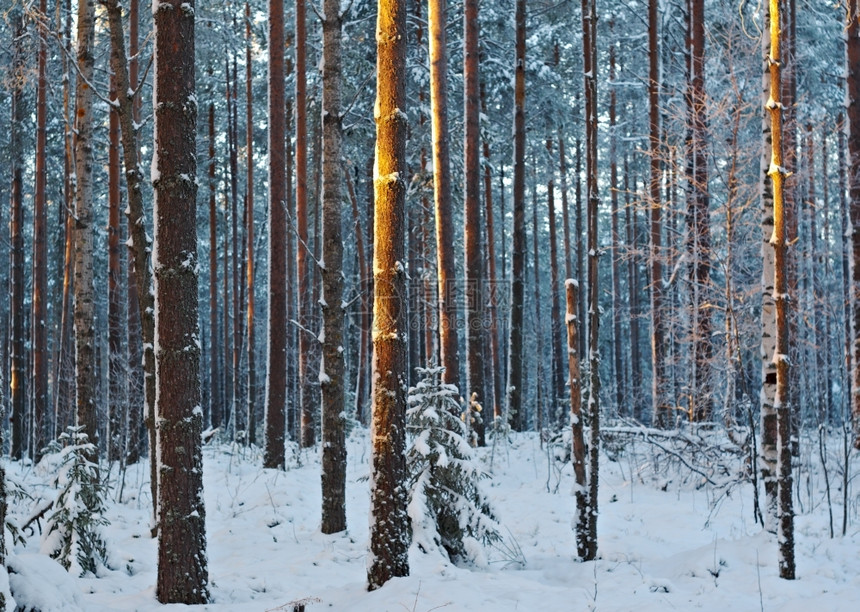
<point>665,542</point>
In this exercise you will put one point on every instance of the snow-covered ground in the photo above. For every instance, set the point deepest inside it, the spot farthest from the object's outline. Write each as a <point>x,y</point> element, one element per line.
<point>664,544</point>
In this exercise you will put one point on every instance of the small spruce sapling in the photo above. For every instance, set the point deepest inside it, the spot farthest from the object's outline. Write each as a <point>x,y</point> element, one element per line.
<point>447,508</point>
<point>73,536</point>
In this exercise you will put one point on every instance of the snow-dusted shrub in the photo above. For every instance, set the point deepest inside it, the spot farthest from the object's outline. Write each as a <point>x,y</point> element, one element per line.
<point>73,536</point>
<point>447,508</point>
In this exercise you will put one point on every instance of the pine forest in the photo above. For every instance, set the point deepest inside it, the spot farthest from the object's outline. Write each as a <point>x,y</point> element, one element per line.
<point>382,304</point>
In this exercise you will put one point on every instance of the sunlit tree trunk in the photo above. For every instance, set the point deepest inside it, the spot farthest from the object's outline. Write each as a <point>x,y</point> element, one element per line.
<point>768,448</point>
<point>332,362</point>
<point>777,173</point>
<point>182,566</point>
<point>389,526</point>
<point>276,336</point>
<point>446,268</point>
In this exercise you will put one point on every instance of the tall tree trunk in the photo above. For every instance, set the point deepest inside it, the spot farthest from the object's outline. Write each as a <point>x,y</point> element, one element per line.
<point>276,338</point>
<point>659,390</point>
<point>332,365</point>
<point>249,277</point>
<point>446,266</point>
<point>140,241</point>
<point>117,372</point>
<point>577,421</point>
<point>554,287</point>
<point>492,298</point>
<point>630,224</point>
<point>777,173</point>
<point>473,256</point>
<point>847,284</point>
<point>389,528</point>
<point>515,325</point>
<point>182,567</point>
<point>302,268</point>
<point>852,133</point>
<point>85,363</point>
<point>18,374</point>
<point>768,447</point>
<point>620,383</point>
<point>589,48</point>
<point>41,411</point>
<point>700,230</point>
<point>538,322</point>
<point>215,398</point>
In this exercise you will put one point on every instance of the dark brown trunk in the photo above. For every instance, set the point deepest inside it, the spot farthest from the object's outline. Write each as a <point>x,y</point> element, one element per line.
<point>251,391</point>
<point>276,337</point>
<point>182,567</point>
<point>515,342</point>
<point>852,130</point>
<point>554,287</point>
<point>41,410</point>
<point>474,258</point>
<point>617,341</point>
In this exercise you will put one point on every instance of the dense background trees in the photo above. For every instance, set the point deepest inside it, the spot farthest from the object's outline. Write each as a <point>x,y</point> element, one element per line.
<point>658,106</point>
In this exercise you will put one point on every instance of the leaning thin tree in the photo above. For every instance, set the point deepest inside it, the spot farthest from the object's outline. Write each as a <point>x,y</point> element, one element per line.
<point>777,174</point>
<point>182,567</point>
<point>389,527</point>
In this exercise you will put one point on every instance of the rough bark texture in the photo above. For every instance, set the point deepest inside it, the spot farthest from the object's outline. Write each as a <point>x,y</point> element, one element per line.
<point>576,420</point>
<point>302,268</point>
<point>276,337</point>
<point>515,339</point>
<point>117,388</point>
<point>389,527</point>
<point>700,232</point>
<point>446,266</point>
<point>473,257</point>
<point>852,133</point>
<point>41,419</point>
<point>630,221</point>
<point>85,369</point>
<point>589,47</point>
<point>182,568</point>
<point>331,365</point>
<point>777,173</point>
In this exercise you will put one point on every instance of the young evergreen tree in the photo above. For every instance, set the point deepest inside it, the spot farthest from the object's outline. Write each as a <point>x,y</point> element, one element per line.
<point>447,506</point>
<point>182,564</point>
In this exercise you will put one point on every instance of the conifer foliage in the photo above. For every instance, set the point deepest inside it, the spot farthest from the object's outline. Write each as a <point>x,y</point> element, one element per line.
<point>447,507</point>
<point>73,536</point>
